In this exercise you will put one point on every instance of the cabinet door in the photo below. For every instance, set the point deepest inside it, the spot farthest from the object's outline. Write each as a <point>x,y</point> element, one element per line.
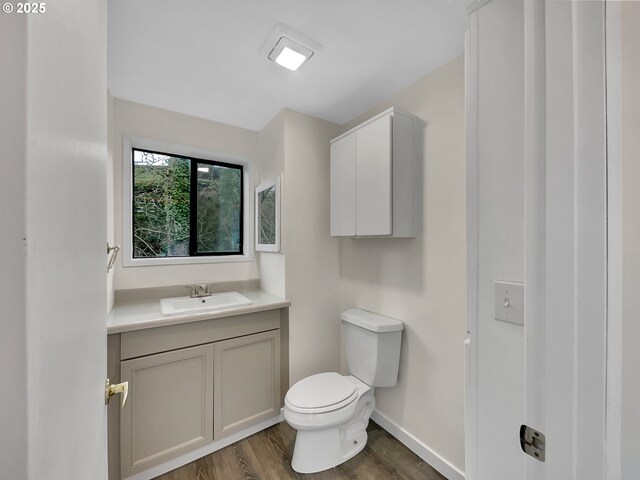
<point>170,407</point>
<point>343,187</point>
<point>373,179</point>
<point>247,381</point>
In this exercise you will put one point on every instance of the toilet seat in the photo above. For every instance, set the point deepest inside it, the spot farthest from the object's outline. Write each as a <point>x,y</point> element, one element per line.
<point>321,393</point>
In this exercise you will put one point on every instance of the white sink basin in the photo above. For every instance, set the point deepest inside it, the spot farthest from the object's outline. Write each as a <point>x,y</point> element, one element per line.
<point>217,301</point>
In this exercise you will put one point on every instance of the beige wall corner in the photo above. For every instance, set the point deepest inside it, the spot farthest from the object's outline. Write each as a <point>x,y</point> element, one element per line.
<point>306,271</point>
<point>422,280</point>
<point>271,265</point>
<point>312,256</point>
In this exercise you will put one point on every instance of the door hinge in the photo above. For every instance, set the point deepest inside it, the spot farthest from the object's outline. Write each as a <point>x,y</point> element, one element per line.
<point>532,442</point>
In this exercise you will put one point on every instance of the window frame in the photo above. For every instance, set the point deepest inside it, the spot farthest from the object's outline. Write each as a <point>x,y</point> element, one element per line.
<point>129,144</point>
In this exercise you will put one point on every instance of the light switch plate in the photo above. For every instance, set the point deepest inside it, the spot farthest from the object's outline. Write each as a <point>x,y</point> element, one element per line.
<point>509,302</point>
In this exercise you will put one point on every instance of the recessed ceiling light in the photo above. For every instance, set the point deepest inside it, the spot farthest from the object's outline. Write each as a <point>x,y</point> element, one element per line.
<point>290,54</point>
<point>288,48</point>
<point>290,59</point>
<point>203,169</point>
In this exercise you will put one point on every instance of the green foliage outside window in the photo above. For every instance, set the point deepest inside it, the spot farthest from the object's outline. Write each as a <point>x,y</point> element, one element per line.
<point>218,220</point>
<point>162,210</point>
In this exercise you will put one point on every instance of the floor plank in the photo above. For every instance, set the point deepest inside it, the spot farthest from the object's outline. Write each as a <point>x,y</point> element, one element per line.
<point>270,447</point>
<point>267,456</point>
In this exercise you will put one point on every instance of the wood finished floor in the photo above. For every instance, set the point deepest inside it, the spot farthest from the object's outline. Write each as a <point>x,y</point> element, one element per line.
<point>267,456</point>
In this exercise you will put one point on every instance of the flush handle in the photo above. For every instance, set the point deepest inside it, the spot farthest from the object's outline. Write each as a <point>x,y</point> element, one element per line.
<point>112,389</point>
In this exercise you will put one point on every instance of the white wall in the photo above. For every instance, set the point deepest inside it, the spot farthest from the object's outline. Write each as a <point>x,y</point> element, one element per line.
<point>422,281</point>
<point>631,240</point>
<point>66,127</point>
<point>134,119</point>
<point>312,256</point>
<point>271,264</point>
<point>13,372</point>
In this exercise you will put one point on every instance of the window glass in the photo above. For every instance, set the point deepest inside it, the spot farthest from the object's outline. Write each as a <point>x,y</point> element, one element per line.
<point>185,207</point>
<point>219,193</point>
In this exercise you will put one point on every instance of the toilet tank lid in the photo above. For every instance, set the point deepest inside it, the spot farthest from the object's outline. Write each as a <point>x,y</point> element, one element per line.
<point>371,321</point>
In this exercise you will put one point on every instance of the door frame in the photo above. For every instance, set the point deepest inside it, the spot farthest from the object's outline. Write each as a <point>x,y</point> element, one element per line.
<point>575,145</point>
<point>613,419</point>
<point>576,241</point>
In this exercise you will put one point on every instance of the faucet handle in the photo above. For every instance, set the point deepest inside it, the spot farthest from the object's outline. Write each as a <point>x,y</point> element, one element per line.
<point>200,289</point>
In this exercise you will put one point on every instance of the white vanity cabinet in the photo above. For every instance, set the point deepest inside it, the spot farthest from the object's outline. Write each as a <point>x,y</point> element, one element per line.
<point>375,178</point>
<point>192,385</point>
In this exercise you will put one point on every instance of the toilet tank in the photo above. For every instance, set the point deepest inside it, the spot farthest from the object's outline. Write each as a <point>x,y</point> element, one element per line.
<point>372,346</point>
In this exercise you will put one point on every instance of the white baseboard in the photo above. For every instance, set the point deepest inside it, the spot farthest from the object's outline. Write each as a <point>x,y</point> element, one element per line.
<point>158,470</point>
<point>416,446</point>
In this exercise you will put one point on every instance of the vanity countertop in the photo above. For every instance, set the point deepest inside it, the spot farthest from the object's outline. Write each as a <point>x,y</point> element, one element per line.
<point>127,317</point>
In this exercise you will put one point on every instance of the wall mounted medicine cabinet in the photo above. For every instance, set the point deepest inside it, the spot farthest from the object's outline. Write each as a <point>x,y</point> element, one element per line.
<point>375,178</point>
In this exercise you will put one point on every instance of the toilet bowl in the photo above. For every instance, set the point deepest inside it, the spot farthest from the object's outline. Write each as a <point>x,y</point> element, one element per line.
<point>331,411</point>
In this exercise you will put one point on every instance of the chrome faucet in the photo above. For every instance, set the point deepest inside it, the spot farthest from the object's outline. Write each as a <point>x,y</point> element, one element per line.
<point>200,289</point>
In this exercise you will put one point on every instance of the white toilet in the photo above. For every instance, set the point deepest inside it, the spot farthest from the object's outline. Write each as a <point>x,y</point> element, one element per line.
<point>331,411</point>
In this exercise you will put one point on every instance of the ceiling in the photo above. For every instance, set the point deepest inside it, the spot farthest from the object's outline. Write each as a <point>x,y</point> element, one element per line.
<point>201,57</point>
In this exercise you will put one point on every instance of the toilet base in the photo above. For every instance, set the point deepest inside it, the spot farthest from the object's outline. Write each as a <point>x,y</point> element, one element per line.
<point>322,449</point>
<point>318,450</point>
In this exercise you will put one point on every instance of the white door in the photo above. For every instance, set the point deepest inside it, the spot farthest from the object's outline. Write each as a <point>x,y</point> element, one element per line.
<point>537,216</point>
<point>65,241</point>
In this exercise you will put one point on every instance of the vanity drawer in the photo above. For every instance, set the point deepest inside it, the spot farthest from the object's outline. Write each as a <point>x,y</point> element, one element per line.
<point>162,339</point>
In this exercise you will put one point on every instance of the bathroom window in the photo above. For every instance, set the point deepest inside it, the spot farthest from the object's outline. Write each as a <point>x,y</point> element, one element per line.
<point>182,206</point>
